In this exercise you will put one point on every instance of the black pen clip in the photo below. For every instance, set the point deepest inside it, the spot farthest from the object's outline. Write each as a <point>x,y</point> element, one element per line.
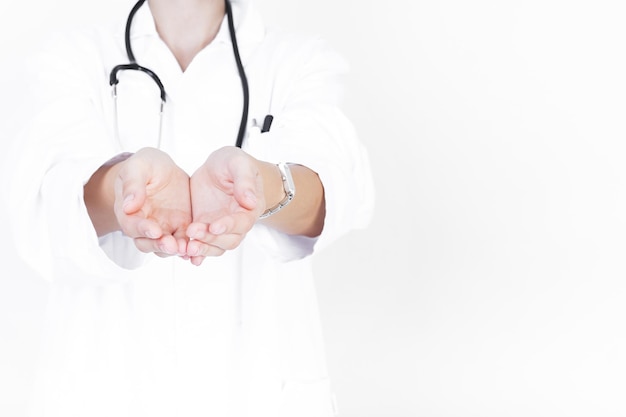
<point>267,123</point>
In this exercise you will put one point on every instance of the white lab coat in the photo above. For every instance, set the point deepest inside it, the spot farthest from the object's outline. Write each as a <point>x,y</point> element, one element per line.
<point>130,334</point>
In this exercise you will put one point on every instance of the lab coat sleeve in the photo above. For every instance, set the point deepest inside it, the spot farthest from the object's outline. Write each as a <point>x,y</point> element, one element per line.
<point>61,144</point>
<point>310,129</point>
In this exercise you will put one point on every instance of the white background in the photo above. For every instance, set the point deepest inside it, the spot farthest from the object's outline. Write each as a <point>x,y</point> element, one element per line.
<point>491,282</point>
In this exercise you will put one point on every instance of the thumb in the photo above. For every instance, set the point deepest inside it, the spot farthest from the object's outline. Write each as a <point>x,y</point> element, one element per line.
<point>132,182</point>
<point>246,187</point>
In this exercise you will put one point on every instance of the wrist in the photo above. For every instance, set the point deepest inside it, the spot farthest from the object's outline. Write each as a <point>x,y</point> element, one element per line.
<point>99,195</point>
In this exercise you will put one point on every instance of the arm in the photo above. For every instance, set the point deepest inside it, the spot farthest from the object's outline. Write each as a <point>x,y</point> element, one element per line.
<point>333,183</point>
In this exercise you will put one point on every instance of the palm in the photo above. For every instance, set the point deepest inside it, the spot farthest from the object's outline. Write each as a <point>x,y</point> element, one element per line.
<point>153,202</point>
<point>212,198</point>
<point>167,201</point>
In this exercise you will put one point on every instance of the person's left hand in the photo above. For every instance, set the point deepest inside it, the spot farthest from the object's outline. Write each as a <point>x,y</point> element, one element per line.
<point>226,200</point>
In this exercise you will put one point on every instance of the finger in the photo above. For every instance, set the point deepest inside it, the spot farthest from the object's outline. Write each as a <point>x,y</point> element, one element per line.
<point>246,185</point>
<point>196,248</point>
<point>197,260</point>
<point>133,178</point>
<point>236,223</point>
<point>209,232</point>
<point>217,245</point>
<point>147,245</point>
<point>228,242</point>
<point>166,245</point>
<point>198,230</point>
<point>138,227</point>
<point>182,241</point>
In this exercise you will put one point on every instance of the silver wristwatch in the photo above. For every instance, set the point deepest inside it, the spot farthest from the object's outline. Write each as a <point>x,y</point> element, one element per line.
<point>288,186</point>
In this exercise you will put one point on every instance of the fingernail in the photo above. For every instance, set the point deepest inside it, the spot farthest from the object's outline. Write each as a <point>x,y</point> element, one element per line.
<point>128,199</point>
<point>251,197</point>
<point>218,229</point>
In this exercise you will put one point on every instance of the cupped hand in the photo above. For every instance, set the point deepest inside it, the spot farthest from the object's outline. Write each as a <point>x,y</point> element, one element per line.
<point>226,199</point>
<point>153,202</point>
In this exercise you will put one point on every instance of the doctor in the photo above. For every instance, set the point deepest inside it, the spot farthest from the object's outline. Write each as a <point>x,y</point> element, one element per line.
<point>179,264</point>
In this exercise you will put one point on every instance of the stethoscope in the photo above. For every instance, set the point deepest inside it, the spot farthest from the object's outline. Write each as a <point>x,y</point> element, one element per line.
<point>133,65</point>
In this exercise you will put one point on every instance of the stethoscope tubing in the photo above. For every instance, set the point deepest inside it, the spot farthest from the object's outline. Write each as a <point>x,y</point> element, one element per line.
<point>133,65</point>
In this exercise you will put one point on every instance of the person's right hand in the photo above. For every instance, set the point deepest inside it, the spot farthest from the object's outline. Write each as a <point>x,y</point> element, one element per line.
<point>153,202</point>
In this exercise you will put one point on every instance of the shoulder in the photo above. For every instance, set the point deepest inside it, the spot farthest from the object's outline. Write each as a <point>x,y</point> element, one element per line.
<point>302,46</point>
<point>286,48</point>
<point>74,54</point>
